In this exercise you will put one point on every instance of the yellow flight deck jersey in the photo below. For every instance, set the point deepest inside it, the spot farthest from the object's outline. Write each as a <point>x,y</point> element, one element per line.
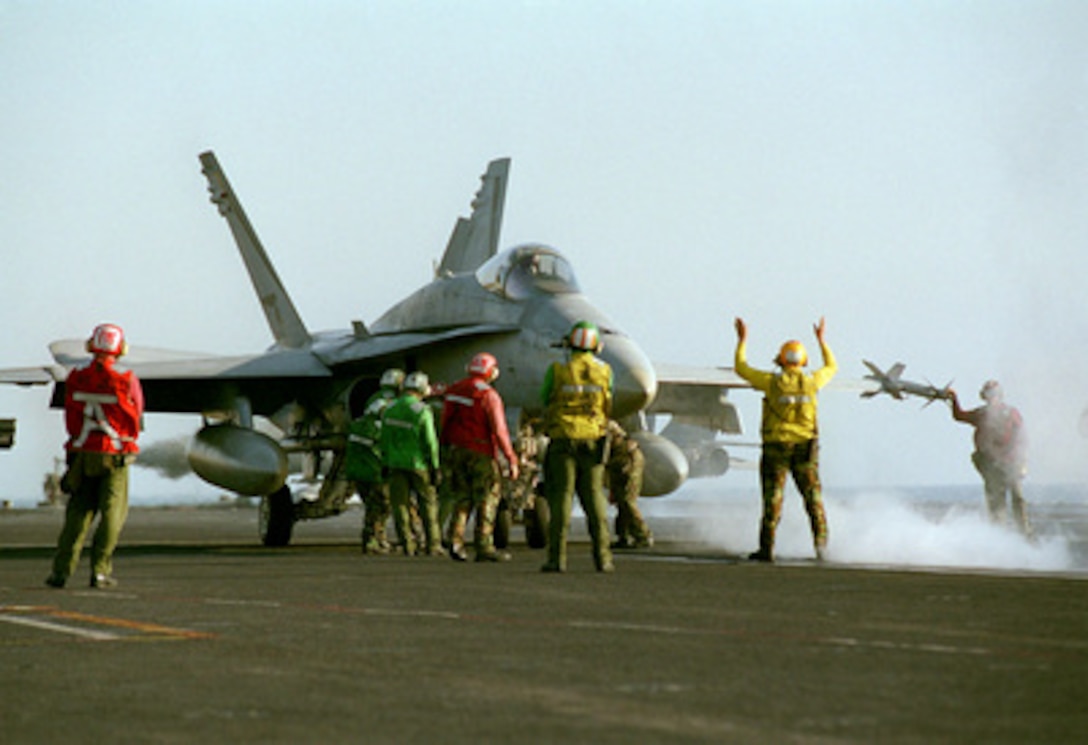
<point>578,397</point>
<point>789,396</point>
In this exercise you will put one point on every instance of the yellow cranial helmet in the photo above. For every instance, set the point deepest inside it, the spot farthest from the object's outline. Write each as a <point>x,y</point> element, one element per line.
<point>792,354</point>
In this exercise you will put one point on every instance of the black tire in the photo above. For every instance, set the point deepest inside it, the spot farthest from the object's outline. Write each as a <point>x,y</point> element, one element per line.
<point>503,520</point>
<point>276,517</point>
<point>536,524</point>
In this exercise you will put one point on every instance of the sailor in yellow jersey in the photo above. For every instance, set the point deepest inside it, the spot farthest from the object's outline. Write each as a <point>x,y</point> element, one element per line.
<point>789,432</point>
<point>577,395</point>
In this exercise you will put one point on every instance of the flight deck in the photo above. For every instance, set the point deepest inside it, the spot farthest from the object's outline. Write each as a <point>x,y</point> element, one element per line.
<point>211,636</point>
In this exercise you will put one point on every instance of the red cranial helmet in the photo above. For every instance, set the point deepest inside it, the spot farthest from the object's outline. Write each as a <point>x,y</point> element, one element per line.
<point>485,365</point>
<point>107,338</point>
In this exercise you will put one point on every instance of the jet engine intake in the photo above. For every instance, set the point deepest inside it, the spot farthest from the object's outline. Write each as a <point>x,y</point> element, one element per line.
<point>238,459</point>
<point>706,460</point>
<point>666,468</point>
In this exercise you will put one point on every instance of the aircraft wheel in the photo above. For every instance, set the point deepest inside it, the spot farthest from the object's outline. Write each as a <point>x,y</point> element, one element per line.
<point>502,525</point>
<point>276,517</point>
<point>536,524</point>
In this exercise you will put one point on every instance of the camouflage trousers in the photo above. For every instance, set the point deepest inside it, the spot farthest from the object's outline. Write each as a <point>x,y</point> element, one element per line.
<point>402,484</point>
<point>471,482</point>
<point>802,461</point>
<point>1003,485</point>
<point>98,485</point>
<point>624,485</point>
<point>376,511</point>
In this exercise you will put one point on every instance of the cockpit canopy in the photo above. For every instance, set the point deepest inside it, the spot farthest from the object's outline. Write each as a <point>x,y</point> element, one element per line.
<point>526,270</point>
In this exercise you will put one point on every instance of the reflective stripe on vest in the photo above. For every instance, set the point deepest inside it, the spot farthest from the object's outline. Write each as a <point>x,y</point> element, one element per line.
<point>399,424</point>
<point>787,400</point>
<point>571,388</point>
<point>95,420</point>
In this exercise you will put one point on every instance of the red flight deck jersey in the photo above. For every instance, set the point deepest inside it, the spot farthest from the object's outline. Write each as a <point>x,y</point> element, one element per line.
<point>102,408</point>
<point>473,417</point>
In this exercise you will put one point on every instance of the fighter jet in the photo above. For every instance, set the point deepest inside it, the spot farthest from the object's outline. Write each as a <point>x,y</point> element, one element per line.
<point>892,384</point>
<point>516,304</point>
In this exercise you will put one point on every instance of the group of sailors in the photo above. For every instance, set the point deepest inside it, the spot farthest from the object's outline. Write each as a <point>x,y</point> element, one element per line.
<point>434,457</point>
<point>395,450</point>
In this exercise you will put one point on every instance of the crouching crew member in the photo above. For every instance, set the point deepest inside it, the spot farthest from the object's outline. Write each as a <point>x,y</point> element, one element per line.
<point>103,408</point>
<point>474,433</point>
<point>624,471</point>
<point>577,395</point>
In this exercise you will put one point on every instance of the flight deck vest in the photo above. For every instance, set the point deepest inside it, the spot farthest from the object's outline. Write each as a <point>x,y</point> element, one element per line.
<point>101,413</point>
<point>464,420</point>
<point>997,435</point>
<point>789,408</point>
<point>363,455</point>
<point>580,398</point>
<point>408,439</point>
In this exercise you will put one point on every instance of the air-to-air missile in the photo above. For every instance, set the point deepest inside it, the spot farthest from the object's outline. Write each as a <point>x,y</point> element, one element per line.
<point>892,384</point>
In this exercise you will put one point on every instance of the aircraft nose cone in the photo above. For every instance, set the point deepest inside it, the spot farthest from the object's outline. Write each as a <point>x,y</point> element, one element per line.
<point>634,380</point>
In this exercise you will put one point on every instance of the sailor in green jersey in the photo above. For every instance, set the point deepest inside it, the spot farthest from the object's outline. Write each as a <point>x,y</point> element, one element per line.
<point>363,462</point>
<point>410,451</point>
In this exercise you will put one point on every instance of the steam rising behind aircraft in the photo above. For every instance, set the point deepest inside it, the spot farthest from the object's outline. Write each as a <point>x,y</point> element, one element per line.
<point>517,304</point>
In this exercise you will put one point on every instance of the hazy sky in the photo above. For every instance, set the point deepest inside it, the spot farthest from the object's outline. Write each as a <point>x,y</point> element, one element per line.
<point>915,171</point>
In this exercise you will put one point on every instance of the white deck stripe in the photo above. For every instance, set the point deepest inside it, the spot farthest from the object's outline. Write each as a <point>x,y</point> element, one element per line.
<point>101,636</point>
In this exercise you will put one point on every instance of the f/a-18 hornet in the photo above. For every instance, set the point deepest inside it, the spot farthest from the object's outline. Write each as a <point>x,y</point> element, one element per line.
<point>516,304</point>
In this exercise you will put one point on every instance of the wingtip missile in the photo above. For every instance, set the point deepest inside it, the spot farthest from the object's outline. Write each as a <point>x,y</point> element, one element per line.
<point>890,381</point>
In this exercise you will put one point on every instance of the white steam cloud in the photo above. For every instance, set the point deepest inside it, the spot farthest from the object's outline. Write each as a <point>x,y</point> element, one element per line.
<point>878,528</point>
<point>167,457</point>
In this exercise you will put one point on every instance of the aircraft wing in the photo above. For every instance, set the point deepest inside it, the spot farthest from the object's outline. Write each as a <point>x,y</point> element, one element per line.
<point>73,352</point>
<point>192,382</point>
<point>41,375</point>
<point>152,363</point>
<point>698,395</point>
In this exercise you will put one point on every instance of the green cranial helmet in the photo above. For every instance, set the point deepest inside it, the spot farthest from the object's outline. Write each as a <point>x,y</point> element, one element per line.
<point>585,336</point>
<point>392,378</point>
<point>418,382</point>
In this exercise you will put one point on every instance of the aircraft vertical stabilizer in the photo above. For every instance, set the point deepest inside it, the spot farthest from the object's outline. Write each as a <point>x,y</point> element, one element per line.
<point>284,321</point>
<point>476,240</point>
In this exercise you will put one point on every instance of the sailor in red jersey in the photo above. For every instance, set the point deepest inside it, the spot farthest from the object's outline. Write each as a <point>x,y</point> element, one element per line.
<point>474,433</point>
<point>1000,453</point>
<point>103,412</point>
